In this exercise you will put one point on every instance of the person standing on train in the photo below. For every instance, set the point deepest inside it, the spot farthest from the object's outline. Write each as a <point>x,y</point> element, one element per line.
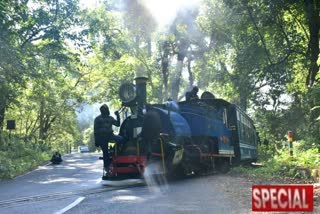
<point>103,132</point>
<point>193,94</point>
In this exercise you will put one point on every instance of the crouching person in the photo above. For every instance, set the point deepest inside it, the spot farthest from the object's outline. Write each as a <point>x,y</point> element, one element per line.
<point>103,132</point>
<point>56,158</point>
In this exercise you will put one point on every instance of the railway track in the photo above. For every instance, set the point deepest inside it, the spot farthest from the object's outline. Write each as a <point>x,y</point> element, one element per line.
<point>55,196</point>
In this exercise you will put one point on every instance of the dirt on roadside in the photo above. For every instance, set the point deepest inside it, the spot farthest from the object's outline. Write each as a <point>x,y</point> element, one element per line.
<point>239,187</point>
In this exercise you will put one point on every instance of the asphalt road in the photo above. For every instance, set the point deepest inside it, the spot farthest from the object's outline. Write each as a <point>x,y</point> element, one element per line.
<point>75,187</point>
<point>77,173</point>
<point>195,195</point>
<point>51,188</point>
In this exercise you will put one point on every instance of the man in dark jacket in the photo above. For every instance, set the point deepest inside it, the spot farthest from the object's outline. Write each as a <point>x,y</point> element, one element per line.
<point>192,95</point>
<point>103,132</point>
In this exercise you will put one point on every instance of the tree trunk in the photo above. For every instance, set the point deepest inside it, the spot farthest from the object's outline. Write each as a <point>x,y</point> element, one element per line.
<point>312,15</point>
<point>176,80</point>
<point>2,113</point>
<point>243,103</point>
<point>137,44</point>
<point>149,48</point>
<point>182,47</point>
<point>3,106</point>
<point>191,79</point>
<point>41,119</point>
<point>165,68</point>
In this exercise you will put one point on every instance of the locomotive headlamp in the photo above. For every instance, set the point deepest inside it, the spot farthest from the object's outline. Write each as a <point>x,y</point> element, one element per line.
<point>127,93</point>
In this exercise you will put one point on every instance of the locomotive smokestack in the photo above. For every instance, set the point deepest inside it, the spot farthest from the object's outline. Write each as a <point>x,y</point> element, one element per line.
<point>141,84</point>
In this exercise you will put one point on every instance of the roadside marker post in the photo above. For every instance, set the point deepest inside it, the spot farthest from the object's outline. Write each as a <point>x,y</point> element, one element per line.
<point>290,140</point>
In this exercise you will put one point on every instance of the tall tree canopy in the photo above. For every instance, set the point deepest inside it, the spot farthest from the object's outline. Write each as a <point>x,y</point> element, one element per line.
<point>262,55</point>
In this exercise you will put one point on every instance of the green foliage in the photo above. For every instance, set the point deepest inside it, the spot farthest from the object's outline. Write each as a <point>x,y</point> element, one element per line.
<point>18,157</point>
<point>24,25</point>
<point>281,164</point>
<point>40,80</point>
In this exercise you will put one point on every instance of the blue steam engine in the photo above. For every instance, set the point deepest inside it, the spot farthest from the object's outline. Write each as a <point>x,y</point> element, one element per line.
<point>192,136</point>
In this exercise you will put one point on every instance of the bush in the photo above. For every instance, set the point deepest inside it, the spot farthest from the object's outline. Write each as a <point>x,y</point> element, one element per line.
<point>279,163</point>
<point>18,157</point>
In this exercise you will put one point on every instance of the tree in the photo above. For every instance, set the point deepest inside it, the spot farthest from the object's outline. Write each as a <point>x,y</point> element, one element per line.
<point>22,26</point>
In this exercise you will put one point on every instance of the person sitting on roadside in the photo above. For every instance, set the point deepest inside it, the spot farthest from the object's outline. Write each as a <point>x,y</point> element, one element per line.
<point>56,158</point>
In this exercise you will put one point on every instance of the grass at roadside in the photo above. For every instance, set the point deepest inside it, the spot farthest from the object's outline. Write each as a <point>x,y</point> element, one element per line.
<point>18,157</point>
<point>304,165</point>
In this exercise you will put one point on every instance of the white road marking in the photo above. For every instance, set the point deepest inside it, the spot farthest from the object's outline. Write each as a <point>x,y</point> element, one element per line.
<point>75,203</point>
<point>98,181</point>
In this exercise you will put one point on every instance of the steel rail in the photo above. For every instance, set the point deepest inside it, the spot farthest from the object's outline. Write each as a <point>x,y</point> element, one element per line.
<point>55,196</point>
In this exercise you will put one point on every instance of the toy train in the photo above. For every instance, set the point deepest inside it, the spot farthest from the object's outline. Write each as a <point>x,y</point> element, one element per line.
<point>192,136</point>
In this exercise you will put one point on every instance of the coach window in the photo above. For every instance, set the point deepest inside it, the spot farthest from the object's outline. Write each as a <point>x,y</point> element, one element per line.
<point>225,118</point>
<point>239,128</point>
<point>243,132</point>
<point>238,116</point>
<point>247,135</point>
<point>250,136</point>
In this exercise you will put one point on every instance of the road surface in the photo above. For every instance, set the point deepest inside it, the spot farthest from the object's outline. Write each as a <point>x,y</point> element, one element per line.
<point>75,187</point>
<point>78,172</point>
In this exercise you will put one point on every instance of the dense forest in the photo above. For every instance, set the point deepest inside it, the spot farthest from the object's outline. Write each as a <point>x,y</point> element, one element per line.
<point>57,57</point>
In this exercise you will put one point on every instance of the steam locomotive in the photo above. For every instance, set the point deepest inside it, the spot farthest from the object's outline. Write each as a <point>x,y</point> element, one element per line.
<point>191,136</point>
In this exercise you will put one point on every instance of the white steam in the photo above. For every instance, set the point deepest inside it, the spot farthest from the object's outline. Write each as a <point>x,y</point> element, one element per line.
<point>155,178</point>
<point>165,11</point>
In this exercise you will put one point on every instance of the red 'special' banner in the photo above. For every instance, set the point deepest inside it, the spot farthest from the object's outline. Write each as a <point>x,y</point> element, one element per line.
<point>282,198</point>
